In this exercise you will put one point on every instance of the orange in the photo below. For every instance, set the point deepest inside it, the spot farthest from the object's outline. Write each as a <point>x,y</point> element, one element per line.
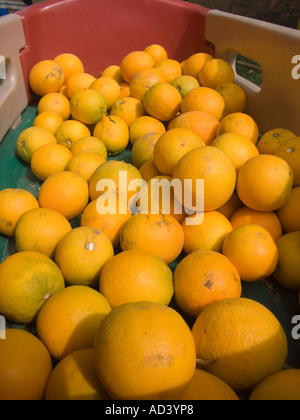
<point>233,204</point>
<point>289,214</point>
<point>184,84</point>
<point>248,244</point>
<point>162,101</point>
<point>194,64</point>
<point>49,159</point>
<point>149,170</point>
<point>204,99</point>
<point>202,123</point>
<point>114,72</point>
<point>209,235</point>
<point>289,151</point>
<point>159,234</point>
<point>31,139</point>
<point>170,68</point>
<point>144,125</point>
<point>70,131</point>
<point>172,145</point>
<point>109,223</point>
<point>287,272</point>
<point>65,192</point>
<point>46,76</point>
<point>240,123</point>
<point>133,63</point>
<point>240,341</point>
<point>267,219</point>
<point>207,387</point>
<point>238,148</point>
<point>234,96</point>
<point>272,139</point>
<point>135,276</point>
<point>88,106</point>
<point>55,102</point>
<point>40,230</point>
<point>50,120</point>
<point>265,183</point>
<point>109,89</point>
<point>143,80</point>
<point>113,131</point>
<point>157,52</point>
<point>71,319</point>
<point>143,148</point>
<point>280,386</point>
<point>20,378</point>
<point>204,277</point>
<point>151,340</point>
<point>14,203</point>
<point>78,82</point>
<point>84,164</point>
<point>124,90</point>
<point>216,72</point>
<point>214,167</point>
<point>89,144</point>
<point>70,63</point>
<point>81,254</point>
<point>128,108</point>
<point>75,378</point>
<point>34,277</point>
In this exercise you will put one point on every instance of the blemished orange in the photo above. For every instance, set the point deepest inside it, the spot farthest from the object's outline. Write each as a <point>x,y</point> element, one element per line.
<point>55,102</point>
<point>50,120</point>
<point>231,206</point>
<point>172,146</point>
<point>49,159</point>
<point>193,64</point>
<point>149,170</point>
<point>114,72</point>
<point>133,63</point>
<point>70,131</point>
<point>204,99</point>
<point>287,272</point>
<point>202,123</point>
<point>234,96</point>
<point>75,378</point>
<point>70,63</point>
<point>88,106</point>
<point>267,219</point>
<point>109,223</point>
<point>143,80</point>
<point>81,254</point>
<point>249,243</point>
<point>209,235</point>
<point>289,214</point>
<point>162,101</point>
<point>289,151</point>
<point>143,148</point>
<point>216,72</point>
<point>13,203</point>
<point>147,328</point>
<point>46,76</point>
<point>34,278</point>
<point>144,125</point>
<point>30,139</point>
<point>78,82</point>
<point>89,144</point>
<point>280,386</point>
<point>157,52</point>
<point>113,131</point>
<point>272,139</point>
<point>215,168</point>
<point>65,192</point>
<point>40,230</point>
<point>237,147</point>
<point>170,68</point>
<point>160,234</point>
<point>84,164</point>
<point>265,183</point>
<point>136,276</point>
<point>129,109</point>
<point>207,387</point>
<point>109,89</point>
<point>204,277</point>
<point>20,379</point>
<point>240,341</point>
<point>70,319</point>
<point>241,123</point>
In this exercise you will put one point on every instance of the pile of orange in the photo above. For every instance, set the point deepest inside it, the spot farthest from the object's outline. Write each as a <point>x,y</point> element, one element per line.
<point>125,155</point>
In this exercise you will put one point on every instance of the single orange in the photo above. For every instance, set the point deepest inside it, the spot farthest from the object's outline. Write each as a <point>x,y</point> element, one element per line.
<point>234,96</point>
<point>162,101</point>
<point>114,72</point>
<point>30,139</point>
<point>50,120</point>
<point>78,82</point>
<point>184,84</point>
<point>45,77</point>
<point>84,164</point>
<point>89,144</point>
<point>88,106</point>
<point>143,80</point>
<point>144,125</point>
<point>170,68</point>
<point>143,148</point>
<point>194,64</point>
<point>289,151</point>
<point>113,132</point>
<point>133,63</point>
<point>204,99</point>
<point>109,89</point>
<point>289,214</point>
<point>240,123</point>
<point>216,72</point>
<point>55,102</point>
<point>157,52</point>
<point>70,63</point>
<point>124,90</point>
<point>271,140</point>
<point>149,170</point>
<point>129,109</point>
<point>70,131</point>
